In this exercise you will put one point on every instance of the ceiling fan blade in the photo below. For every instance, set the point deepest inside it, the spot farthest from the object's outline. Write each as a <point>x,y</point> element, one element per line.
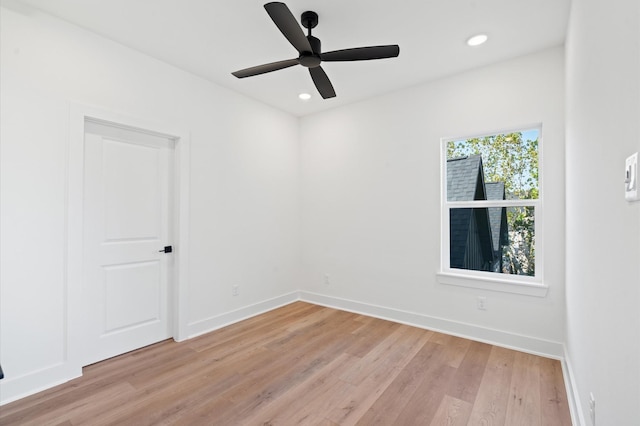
<point>287,24</point>
<point>322,82</point>
<point>262,69</point>
<point>362,53</point>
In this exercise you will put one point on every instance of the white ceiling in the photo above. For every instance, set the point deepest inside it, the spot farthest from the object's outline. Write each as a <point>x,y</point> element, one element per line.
<point>212,38</point>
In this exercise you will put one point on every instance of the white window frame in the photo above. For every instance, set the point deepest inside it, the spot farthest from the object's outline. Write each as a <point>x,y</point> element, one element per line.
<point>509,283</point>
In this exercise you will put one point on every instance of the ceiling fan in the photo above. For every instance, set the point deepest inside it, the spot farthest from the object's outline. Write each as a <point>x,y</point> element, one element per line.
<point>308,47</point>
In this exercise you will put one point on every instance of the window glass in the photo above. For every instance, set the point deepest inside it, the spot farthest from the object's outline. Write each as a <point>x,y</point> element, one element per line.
<point>480,239</point>
<point>492,191</point>
<point>509,158</point>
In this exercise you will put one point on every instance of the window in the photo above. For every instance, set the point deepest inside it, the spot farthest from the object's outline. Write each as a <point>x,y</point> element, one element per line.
<point>492,211</point>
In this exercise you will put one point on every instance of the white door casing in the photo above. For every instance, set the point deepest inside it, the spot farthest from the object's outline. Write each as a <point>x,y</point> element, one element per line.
<point>127,221</point>
<point>74,321</point>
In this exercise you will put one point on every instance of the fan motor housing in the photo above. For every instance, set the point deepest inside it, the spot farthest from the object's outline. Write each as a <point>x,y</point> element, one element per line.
<point>311,59</point>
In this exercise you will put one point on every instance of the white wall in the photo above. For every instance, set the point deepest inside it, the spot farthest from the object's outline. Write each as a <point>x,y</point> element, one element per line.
<point>603,230</point>
<point>244,214</point>
<point>371,200</point>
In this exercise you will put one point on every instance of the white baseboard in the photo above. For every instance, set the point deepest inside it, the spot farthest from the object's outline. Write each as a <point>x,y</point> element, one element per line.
<point>213,323</point>
<point>14,388</point>
<point>573,396</point>
<point>501,338</point>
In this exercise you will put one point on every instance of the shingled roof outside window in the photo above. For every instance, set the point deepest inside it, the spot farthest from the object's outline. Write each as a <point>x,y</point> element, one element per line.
<point>477,235</point>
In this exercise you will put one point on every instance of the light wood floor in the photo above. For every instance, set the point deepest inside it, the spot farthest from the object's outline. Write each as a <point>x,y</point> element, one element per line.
<point>306,364</point>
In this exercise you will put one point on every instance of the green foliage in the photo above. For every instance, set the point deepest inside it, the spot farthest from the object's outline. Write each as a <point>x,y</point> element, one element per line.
<point>513,160</point>
<point>519,256</point>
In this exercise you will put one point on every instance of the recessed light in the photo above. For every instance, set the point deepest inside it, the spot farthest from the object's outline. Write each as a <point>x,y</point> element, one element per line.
<point>477,40</point>
<point>304,96</point>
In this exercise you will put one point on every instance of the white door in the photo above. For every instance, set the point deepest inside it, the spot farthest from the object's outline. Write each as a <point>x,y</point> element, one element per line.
<point>127,221</point>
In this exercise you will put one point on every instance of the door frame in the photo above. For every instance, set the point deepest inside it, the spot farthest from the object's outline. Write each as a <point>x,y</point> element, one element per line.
<point>178,291</point>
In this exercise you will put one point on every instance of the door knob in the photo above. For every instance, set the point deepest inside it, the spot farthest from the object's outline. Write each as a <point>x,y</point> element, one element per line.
<point>167,249</point>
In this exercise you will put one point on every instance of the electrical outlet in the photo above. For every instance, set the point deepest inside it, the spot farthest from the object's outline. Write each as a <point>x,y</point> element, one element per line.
<point>482,303</point>
<point>235,290</point>
<point>327,280</point>
<point>592,408</point>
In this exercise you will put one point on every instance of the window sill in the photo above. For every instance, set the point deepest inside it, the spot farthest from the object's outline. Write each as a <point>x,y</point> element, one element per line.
<point>493,284</point>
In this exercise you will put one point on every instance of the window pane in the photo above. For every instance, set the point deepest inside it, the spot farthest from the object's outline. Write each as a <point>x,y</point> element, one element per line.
<point>503,166</point>
<point>494,239</point>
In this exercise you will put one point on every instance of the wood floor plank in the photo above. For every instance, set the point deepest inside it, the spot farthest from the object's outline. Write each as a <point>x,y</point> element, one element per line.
<point>469,373</point>
<point>553,394</point>
<point>523,408</point>
<point>170,401</point>
<point>292,365</point>
<point>392,402</point>
<point>490,407</point>
<point>98,377</point>
<point>304,364</point>
<point>319,392</point>
<point>54,414</point>
<point>379,356</point>
<point>250,332</point>
<point>423,405</point>
<point>456,347</point>
<point>387,367</point>
<point>452,412</point>
<point>370,335</point>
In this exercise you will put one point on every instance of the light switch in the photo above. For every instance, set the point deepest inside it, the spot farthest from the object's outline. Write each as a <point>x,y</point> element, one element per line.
<point>631,179</point>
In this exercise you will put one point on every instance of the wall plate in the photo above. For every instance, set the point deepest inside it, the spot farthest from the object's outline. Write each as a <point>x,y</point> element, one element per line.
<point>631,178</point>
